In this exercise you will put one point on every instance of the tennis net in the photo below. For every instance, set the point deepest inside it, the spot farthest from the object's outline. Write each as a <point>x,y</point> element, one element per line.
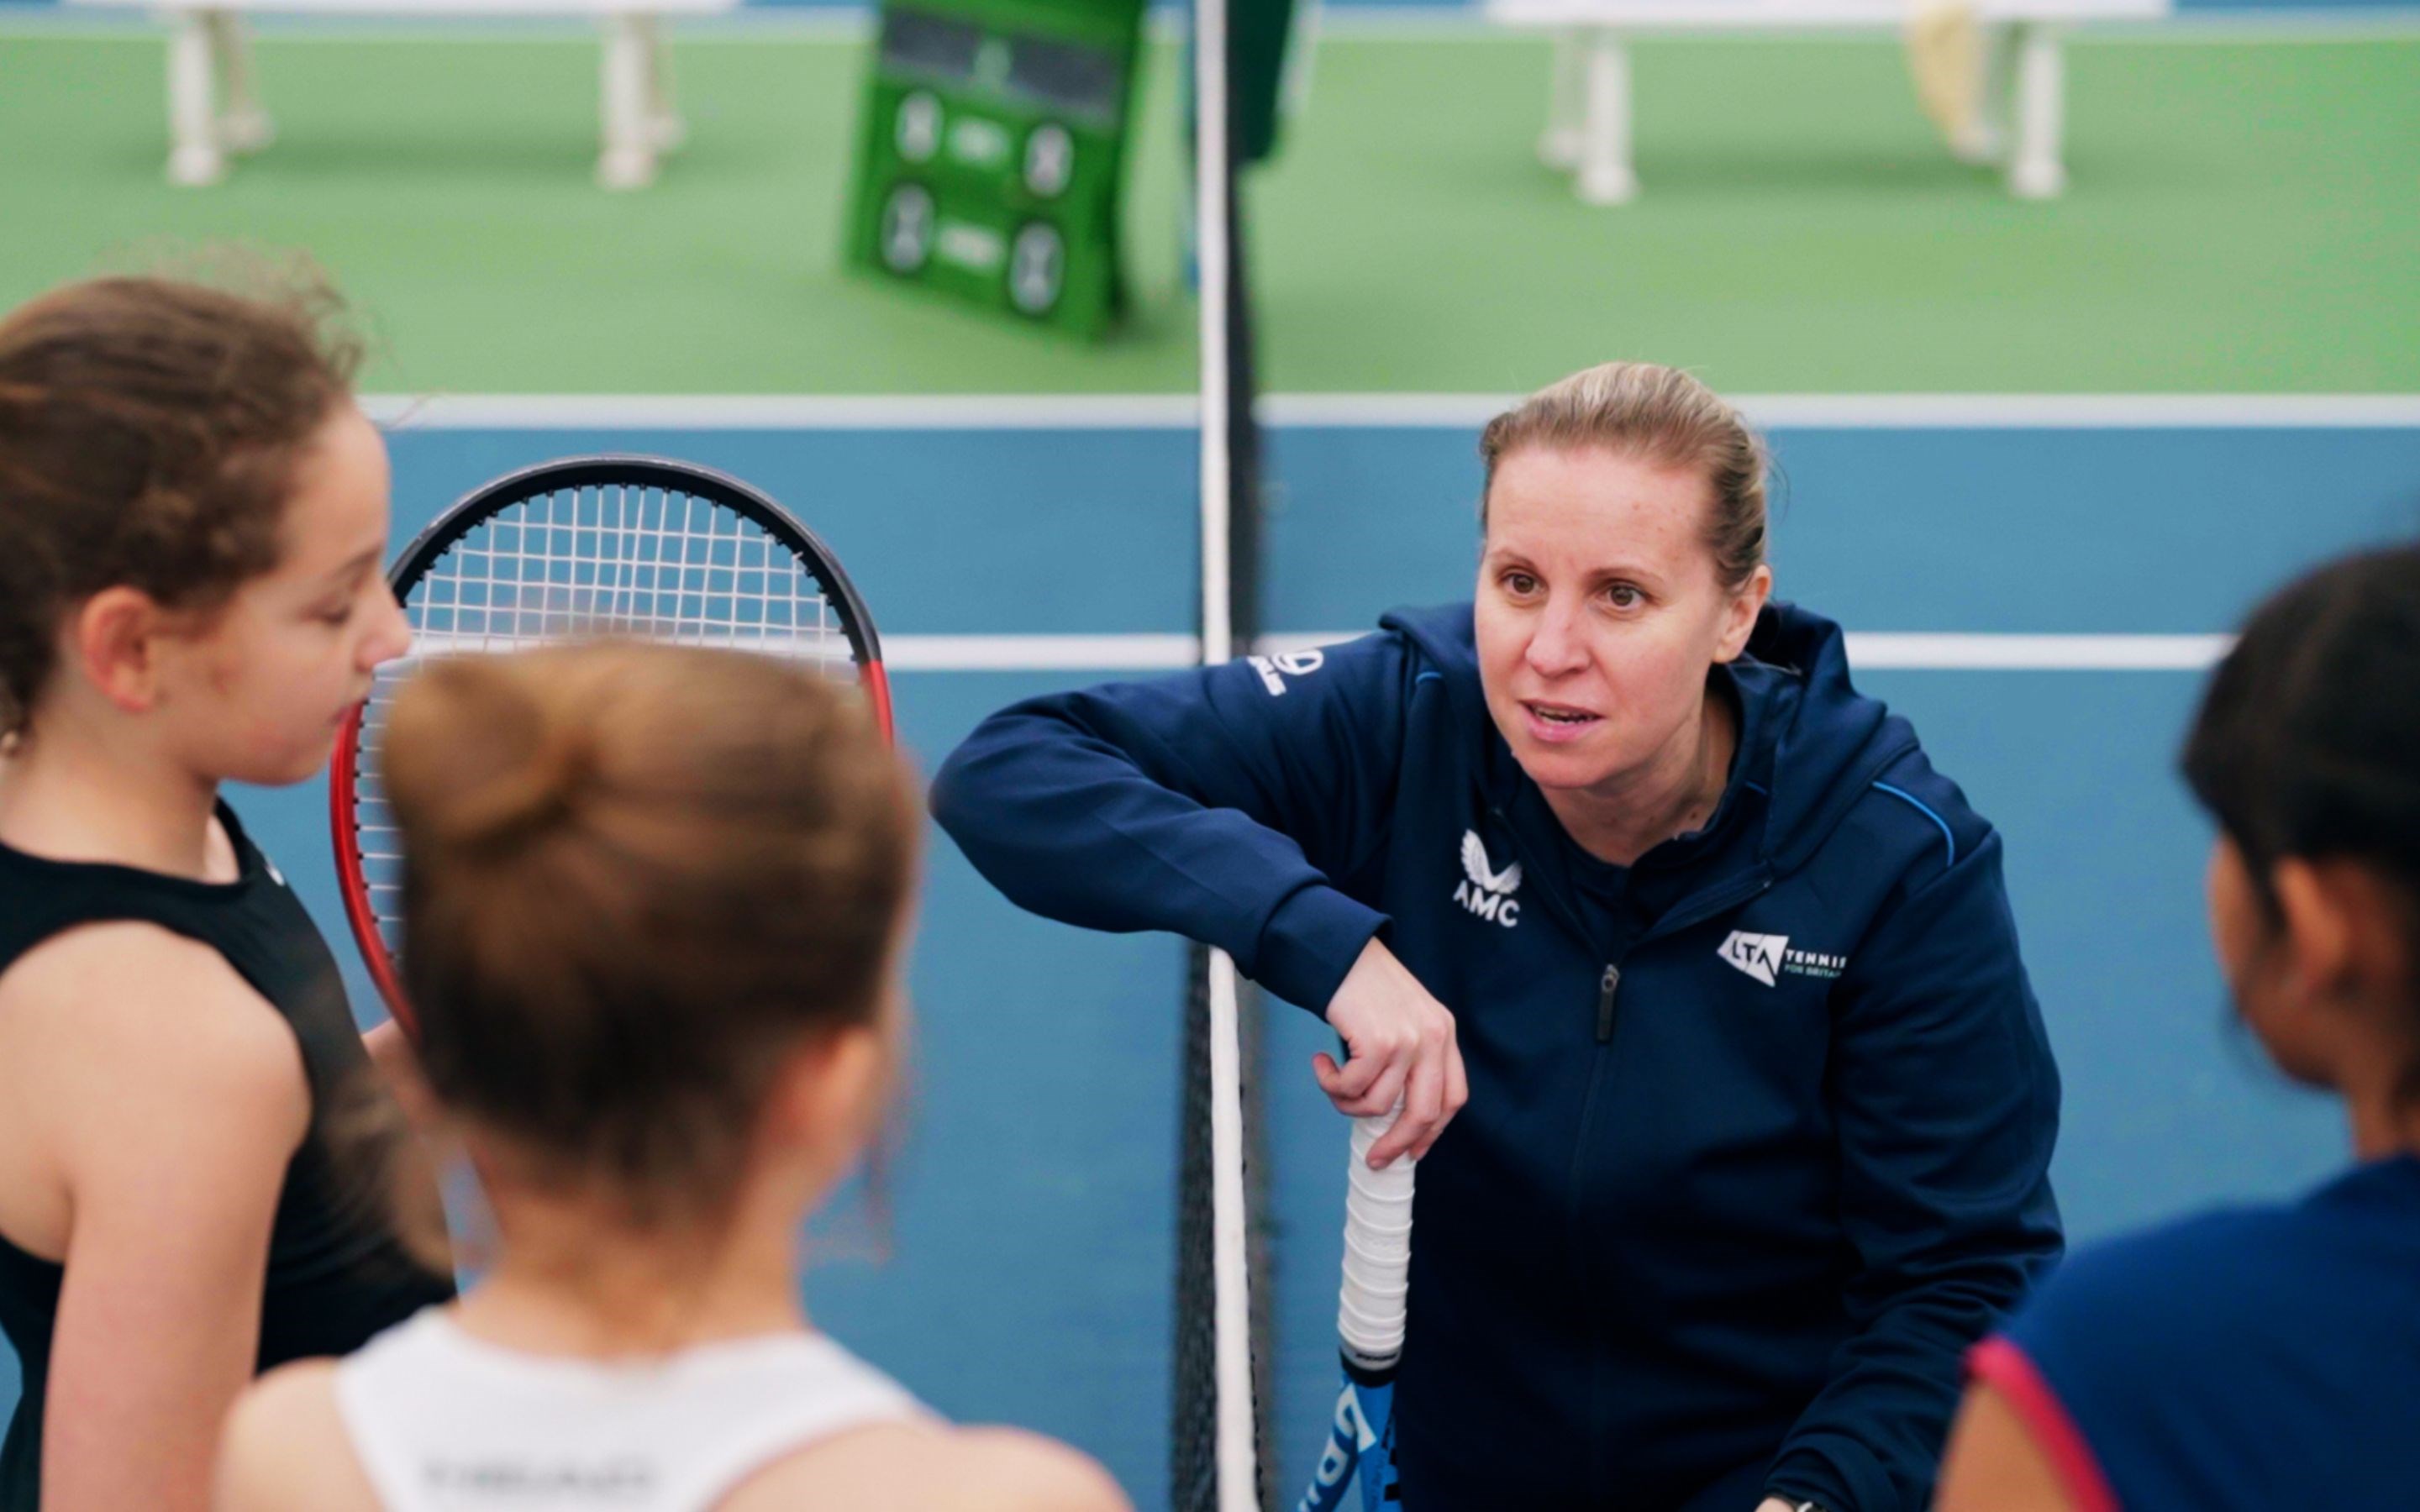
<point>1219,1426</point>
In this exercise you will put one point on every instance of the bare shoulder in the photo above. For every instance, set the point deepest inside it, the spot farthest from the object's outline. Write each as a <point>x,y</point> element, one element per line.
<point>935,1468</point>
<point>286,1448</point>
<point>1012,1468</point>
<point>109,1017</point>
<point>147,1002</point>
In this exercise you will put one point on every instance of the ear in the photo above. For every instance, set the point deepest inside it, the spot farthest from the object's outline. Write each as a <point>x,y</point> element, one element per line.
<point>2346,926</point>
<point>114,638</point>
<point>2318,928</point>
<point>827,1092</point>
<point>1739,615</point>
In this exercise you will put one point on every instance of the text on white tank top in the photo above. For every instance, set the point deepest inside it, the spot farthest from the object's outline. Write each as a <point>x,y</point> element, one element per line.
<point>443,1421</point>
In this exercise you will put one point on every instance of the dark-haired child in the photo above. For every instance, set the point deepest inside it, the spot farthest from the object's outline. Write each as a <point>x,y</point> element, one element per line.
<point>2263,1358</point>
<point>193,514</point>
<point>656,898</point>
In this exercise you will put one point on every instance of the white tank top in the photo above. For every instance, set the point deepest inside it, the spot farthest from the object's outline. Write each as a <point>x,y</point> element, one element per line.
<point>443,1421</point>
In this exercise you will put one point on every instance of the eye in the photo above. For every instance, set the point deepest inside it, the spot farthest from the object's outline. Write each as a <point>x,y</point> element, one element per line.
<point>1520,584</point>
<point>1624,596</point>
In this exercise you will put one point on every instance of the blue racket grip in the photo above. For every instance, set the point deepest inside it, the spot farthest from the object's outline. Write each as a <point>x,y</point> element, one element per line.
<point>1360,1447</point>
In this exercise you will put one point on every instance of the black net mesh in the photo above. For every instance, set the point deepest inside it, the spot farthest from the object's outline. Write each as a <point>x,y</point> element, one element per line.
<point>1193,1442</point>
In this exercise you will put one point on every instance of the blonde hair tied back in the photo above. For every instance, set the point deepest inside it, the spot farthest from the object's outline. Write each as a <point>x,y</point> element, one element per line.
<point>1660,415</point>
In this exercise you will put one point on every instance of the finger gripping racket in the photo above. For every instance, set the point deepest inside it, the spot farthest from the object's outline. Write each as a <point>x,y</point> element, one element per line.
<point>632,545</point>
<point>1370,1320</point>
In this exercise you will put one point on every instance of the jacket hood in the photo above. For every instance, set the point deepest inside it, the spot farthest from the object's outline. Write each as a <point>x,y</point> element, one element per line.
<point>1807,734</point>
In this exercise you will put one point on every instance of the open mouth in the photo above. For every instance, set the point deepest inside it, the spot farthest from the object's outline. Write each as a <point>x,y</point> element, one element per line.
<point>1559,721</point>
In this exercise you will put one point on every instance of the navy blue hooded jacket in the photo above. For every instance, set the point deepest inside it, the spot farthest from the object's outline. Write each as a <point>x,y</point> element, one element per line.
<point>1758,1138</point>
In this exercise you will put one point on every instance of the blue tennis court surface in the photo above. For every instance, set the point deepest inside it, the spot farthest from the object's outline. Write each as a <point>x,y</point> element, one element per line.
<point>1031,1256</point>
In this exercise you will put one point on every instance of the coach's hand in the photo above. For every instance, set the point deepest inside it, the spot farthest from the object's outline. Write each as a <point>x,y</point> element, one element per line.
<point>1399,1046</point>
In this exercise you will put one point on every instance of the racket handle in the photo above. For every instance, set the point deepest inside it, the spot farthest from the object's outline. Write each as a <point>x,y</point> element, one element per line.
<point>1377,1251</point>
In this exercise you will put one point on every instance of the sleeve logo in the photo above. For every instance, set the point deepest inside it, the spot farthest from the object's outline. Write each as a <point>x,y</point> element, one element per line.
<point>1275,670</point>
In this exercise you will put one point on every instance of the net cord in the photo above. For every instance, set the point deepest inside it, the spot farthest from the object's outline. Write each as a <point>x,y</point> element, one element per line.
<point>1237,1450</point>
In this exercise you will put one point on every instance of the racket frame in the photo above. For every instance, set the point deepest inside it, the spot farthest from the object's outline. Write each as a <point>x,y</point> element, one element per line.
<point>475,509</point>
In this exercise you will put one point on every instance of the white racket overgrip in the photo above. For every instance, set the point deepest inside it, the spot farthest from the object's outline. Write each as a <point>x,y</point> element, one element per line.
<point>1377,1251</point>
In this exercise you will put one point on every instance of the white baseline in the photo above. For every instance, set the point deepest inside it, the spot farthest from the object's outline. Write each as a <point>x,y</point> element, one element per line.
<point>1869,650</point>
<point>1411,411</point>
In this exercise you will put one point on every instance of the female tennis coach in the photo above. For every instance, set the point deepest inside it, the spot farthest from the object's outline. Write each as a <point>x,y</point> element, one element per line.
<point>1755,1104</point>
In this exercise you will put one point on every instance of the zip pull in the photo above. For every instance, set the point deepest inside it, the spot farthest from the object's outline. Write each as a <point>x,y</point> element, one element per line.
<point>1605,991</point>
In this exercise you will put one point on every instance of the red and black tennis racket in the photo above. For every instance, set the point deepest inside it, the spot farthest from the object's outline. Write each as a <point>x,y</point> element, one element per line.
<point>589,546</point>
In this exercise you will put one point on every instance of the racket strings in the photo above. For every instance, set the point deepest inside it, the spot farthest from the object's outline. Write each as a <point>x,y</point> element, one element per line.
<point>649,562</point>
<point>662,564</point>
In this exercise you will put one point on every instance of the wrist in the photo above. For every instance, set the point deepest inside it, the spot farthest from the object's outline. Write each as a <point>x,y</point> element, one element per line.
<point>1311,943</point>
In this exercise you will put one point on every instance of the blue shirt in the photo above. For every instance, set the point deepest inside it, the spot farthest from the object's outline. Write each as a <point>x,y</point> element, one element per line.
<point>2256,1358</point>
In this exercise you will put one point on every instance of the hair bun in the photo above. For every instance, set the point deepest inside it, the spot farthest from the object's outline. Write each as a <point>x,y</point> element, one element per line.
<point>521,802</point>
<point>502,773</point>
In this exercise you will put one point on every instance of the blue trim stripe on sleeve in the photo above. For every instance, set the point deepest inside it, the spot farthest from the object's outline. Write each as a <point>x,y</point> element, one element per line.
<point>1926,810</point>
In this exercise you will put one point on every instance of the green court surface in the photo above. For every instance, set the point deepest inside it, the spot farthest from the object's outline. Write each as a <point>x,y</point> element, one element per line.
<point>1800,230</point>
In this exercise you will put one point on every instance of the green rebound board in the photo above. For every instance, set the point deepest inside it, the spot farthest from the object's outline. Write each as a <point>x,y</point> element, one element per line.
<point>993,144</point>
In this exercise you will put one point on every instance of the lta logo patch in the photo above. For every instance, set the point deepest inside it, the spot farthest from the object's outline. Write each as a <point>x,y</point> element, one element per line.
<point>1484,890</point>
<point>1766,957</point>
<point>1758,955</point>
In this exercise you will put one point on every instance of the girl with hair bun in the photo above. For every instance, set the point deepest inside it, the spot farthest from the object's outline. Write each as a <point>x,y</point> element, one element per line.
<point>192,516</point>
<point>656,899</point>
<point>2262,1357</point>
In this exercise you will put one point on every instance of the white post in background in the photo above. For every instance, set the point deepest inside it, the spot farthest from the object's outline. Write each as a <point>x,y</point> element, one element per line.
<point>2035,170</point>
<point>244,126</point>
<point>666,131</point>
<point>1560,146</point>
<point>1995,135</point>
<point>1238,1450</point>
<point>629,160</point>
<point>194,155</point>
<point>1605,174</point>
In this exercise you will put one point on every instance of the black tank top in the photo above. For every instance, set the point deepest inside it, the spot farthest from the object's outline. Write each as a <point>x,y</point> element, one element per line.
<point>336,1273</point>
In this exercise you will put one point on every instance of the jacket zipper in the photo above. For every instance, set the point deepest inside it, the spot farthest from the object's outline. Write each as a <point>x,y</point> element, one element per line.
<point>1702,907</point>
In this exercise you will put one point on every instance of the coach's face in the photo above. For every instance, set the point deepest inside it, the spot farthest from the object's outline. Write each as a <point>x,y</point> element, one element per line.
<point>1600,609</point>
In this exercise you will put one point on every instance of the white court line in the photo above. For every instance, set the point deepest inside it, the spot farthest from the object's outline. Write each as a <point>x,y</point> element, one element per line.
<point>1910,412</point>
<point>785,411</point>
<point>1452,411</point>
<point>1901,651</point>
<point>1868,651</point>
<point>1040,653</point>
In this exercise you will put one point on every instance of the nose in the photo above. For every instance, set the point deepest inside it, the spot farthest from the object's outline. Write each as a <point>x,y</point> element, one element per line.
<point>391,636</point>
<point>1556,645</point>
